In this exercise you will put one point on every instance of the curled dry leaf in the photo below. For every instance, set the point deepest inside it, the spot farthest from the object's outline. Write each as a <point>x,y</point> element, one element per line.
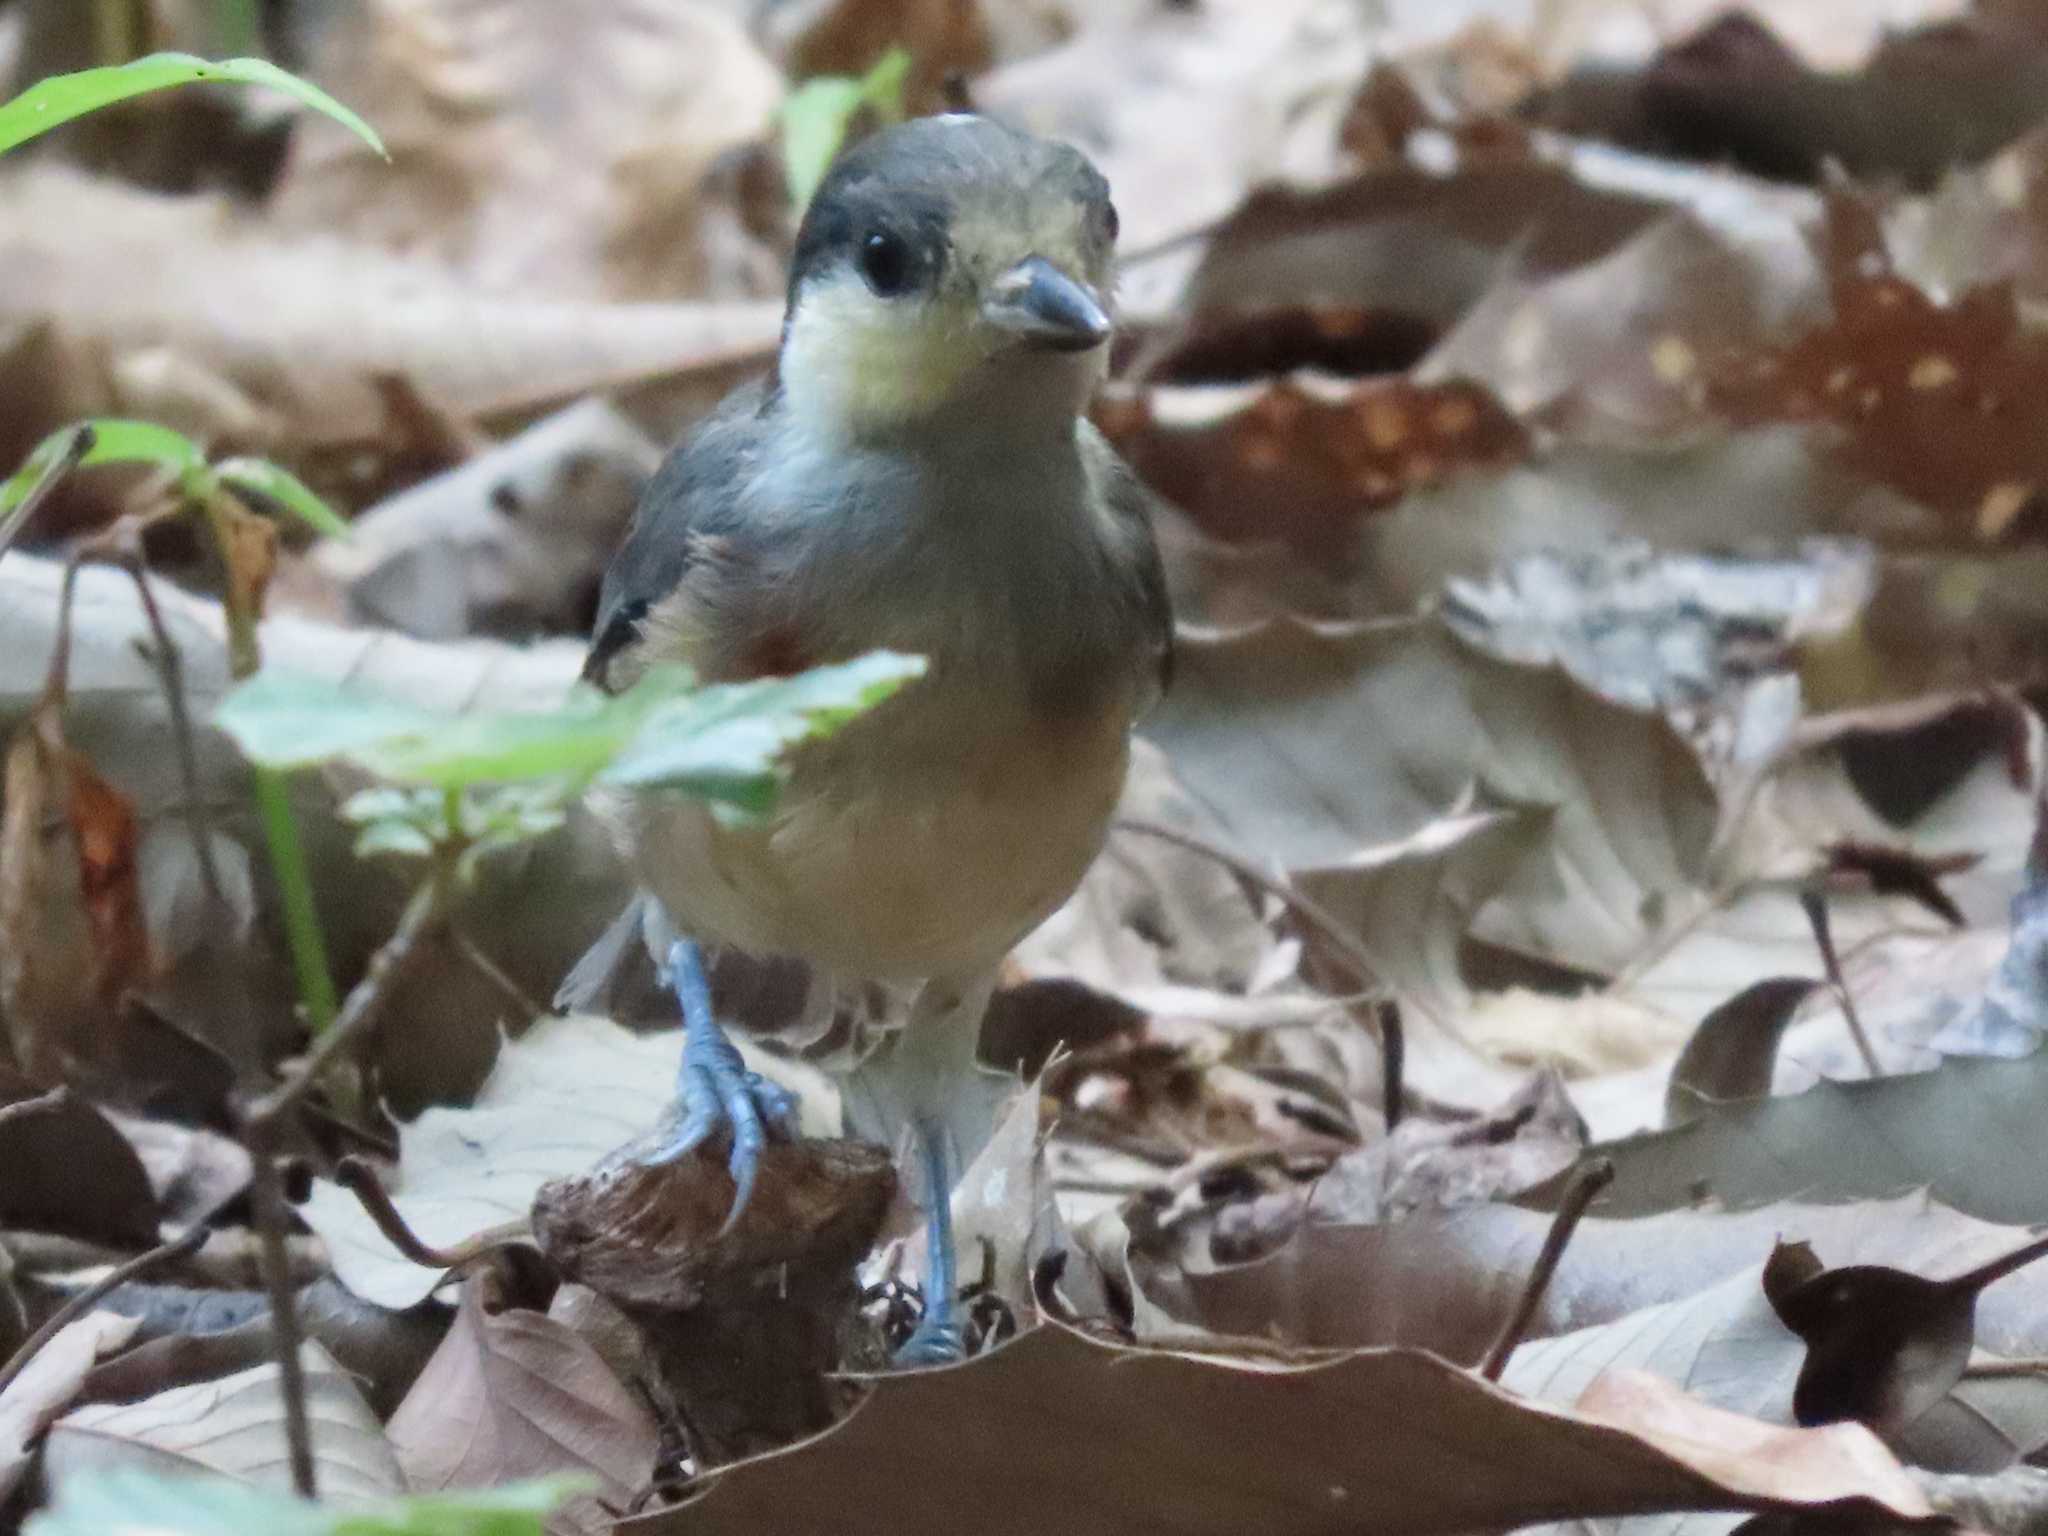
<point>514,1394</point>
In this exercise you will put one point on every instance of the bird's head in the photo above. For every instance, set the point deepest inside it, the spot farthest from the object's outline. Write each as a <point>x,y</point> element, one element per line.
<point>949,261</point>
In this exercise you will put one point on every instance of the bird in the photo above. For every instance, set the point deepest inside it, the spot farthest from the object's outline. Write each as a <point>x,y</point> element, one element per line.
<point>916,473</point>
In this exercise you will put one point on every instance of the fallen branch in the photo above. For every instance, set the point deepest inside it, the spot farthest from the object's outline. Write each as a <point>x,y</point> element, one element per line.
<point>1587,1180</point>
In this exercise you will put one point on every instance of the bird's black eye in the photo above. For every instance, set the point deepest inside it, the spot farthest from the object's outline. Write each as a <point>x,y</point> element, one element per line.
<point>885,263</point>
<point>1110,223</point>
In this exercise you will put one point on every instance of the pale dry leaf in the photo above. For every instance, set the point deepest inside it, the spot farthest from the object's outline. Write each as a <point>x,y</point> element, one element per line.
<point>234,1427</point>
<point>338,319</point>
<point>560,152</point>
<point>1312,742</point>
<point>48,1384</point>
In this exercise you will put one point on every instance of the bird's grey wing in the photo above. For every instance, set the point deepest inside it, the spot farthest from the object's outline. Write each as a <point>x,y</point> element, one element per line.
<point>692,497</point>
<point>1130,503</point>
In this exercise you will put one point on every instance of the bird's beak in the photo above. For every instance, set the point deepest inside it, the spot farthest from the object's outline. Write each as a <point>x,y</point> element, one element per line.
<point>1043,307</point>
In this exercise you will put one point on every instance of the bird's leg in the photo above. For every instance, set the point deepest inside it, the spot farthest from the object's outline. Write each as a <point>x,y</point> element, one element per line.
<point>937,1339</point>
<point>715,1088</point>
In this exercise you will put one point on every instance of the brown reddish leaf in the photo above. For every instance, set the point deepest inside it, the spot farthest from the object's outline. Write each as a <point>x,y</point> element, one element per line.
<point>1302,459</point>
<point>513,1394</point>
<point>1134,1441</point>
<point>1940,401</point>
<point>70,906</point>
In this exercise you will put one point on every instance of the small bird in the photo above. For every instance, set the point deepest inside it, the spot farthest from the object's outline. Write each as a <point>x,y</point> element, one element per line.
<point>916,474</point>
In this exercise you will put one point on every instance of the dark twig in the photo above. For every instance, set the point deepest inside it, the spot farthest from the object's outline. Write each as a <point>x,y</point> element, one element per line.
<point>1816,907</point>
<point>267,1195</point>
<point>116,550</point>
<point>179,1247</point>
<point>1587,1180</point>
<point>55,473</point>
<point>473,954</point>
<point>1303,906</point>
<point>262,1123</point>
<point>360,1180</point>
<point>1393,1061</point>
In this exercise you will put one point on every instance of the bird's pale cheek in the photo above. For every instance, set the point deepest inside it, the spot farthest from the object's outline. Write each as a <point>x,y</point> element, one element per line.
<point>852,364</point>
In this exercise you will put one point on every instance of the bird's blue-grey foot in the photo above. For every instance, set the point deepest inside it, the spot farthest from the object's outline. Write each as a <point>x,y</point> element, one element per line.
<point>715,1088</point>
<point>937,1338</point>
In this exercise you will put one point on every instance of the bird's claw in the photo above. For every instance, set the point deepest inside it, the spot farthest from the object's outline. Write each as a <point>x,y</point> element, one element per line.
<point>936,1340</point>
<point>718,1093</point>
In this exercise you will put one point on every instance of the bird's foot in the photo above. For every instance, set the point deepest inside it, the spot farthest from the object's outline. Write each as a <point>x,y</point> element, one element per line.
<point>936,1340</point>
<point>717,1091</point>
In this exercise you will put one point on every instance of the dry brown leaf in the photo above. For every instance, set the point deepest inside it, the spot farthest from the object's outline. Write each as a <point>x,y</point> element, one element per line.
<point>513,1394</point>
<point>1138,1442</point>
<point>70,906</point>
<point>1303,459</point>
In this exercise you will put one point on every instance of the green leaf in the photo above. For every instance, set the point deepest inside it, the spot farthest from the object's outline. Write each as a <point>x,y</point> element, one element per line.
<point>721,743</point>
<point>817,114</point>
<point>283,720</point>
<point>61,98</point>
<point>115,441</point>
<point>274,483</point>
<point>128,1500</point>
<point>726,743</point>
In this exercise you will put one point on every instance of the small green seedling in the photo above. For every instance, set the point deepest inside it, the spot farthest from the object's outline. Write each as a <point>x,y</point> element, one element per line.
<point>818,113</point>
<point>115,441</point>
<point>61,98</point>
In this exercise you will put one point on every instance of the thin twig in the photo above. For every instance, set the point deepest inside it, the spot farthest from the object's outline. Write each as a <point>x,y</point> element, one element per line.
<point>1992,1370</point>
<point>1393,1061</point>
<point>1816,907</point>
<point>360,1180</point>
<point>267,1196</point>
<point>1587,1180</point>
<point>364,1006</point>
<point>262,1121</point>
<point>170,669</point>
<point>179,1247</point>
<point>478,961</point>
<point>1300,903</point>
<point>54,474</point>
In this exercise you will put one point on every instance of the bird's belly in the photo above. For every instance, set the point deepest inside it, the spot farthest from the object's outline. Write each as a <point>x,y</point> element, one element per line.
<point>889,862</point>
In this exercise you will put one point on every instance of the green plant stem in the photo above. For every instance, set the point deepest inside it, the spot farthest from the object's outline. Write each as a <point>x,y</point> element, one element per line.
<point>295,887</point>
<point>281,838</point>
